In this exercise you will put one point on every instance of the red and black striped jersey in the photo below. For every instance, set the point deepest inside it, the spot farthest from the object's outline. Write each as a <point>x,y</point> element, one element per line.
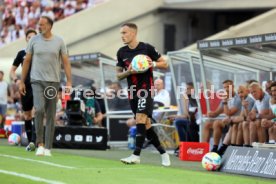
<point>124,58</point>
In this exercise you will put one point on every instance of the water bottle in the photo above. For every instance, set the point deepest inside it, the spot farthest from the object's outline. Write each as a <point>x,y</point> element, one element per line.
<point>131,137</point>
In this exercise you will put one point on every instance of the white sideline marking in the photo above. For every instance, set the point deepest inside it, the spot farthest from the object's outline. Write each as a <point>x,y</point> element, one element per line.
<point>38,161</point>
<point>110,168</point>
<point>34,178</point>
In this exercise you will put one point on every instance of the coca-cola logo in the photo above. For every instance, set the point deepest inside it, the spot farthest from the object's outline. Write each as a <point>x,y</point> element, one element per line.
<point>196,151</point>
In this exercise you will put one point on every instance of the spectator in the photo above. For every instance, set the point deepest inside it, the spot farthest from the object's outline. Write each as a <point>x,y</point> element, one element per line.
<point>58,11</point>
<point>269,123</point>
<point>3,96</point>
<point>260,111</point>
<point>48,12</point>
<point>6,34</point>
<point>2,41</point>
<point>235,132</point>
<point>117,100</point>
<point>267,87</point>
<point>34,13</point>
<point>17,33</point>
<point>26,13</point>
<point>69,9</point>
<point>80,5</point>
<point>9,20</point>
<point>231,106</point>
<point>22,18</point>
<point>185,123</point>
<point>162,96</point>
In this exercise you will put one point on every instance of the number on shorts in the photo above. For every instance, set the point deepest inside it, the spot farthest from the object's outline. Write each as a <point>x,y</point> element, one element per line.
<point>141,103</point>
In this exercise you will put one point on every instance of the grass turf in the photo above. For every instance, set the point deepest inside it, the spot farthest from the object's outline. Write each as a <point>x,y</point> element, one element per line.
<point>100,167</point>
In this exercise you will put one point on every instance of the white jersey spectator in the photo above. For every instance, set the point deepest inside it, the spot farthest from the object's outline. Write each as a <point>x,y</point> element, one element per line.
<point>263,104</point>
<point>69,10</point>
<point>48,12</point>
<point>3,94</point>
<point>161,95</point>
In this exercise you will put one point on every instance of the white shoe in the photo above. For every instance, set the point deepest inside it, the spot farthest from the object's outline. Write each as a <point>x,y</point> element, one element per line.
<point>132,159</point>
<point>30,147</point>
<point>40,151</point>
<point>47,152</point>
<point>166,159</point>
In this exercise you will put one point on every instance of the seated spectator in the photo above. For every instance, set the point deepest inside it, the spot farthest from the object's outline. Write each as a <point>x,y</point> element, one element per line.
<point>17,33</point>
<point>260,111</point>
<point>27,13</point>
<point>267,87</point>
<point>231,106</point>
<point>58,11</point>
<point>4,88</point>
<point>48,12</point>
<point>235,132</point>
<point>269,123</point>
<point>80,5</point>
<point>92,114</point>
<point>22,17</point>
<point>162,96</point>
<point>9,20</point>
<point>69,9</point>
<point>117,99</point>
<point>185,123</point>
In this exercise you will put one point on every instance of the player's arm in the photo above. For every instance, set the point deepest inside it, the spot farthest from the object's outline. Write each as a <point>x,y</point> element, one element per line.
<point>12,73</point>
<point>67,69</point>
<point>266,114</point>
<point>17,61</point>
<point>26,66</point>
<point>240,118</point>
<point>231,111</point>
<point>252,114</point>
<point>25,69</point>
<point>161,63</point>
<point>121,74</point>
<point>155,58</point>
<point>218,111</point>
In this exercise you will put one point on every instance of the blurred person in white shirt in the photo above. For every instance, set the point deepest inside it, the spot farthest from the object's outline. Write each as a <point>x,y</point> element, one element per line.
<point>161,94</point>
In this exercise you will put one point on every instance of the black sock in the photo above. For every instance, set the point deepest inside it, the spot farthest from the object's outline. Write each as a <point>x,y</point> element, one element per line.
<point>215,148</point>
<point>233,145</point>
<point>140,138</point>
<point>222,149</point>
<point>247,145</point>
<point>28,129</point>
<point>153,138</point>
<point>33,132</point>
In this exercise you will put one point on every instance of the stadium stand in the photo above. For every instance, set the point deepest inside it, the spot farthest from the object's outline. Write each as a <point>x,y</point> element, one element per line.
<point>18,16</point>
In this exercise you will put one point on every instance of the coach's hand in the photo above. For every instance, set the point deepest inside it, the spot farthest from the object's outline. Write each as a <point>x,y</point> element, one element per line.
<point>22,88</point>
<point>68,84</point>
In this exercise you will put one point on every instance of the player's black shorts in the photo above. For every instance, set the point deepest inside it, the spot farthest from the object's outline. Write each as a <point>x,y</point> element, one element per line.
<point>27,99</point>
<point>142,104</point>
